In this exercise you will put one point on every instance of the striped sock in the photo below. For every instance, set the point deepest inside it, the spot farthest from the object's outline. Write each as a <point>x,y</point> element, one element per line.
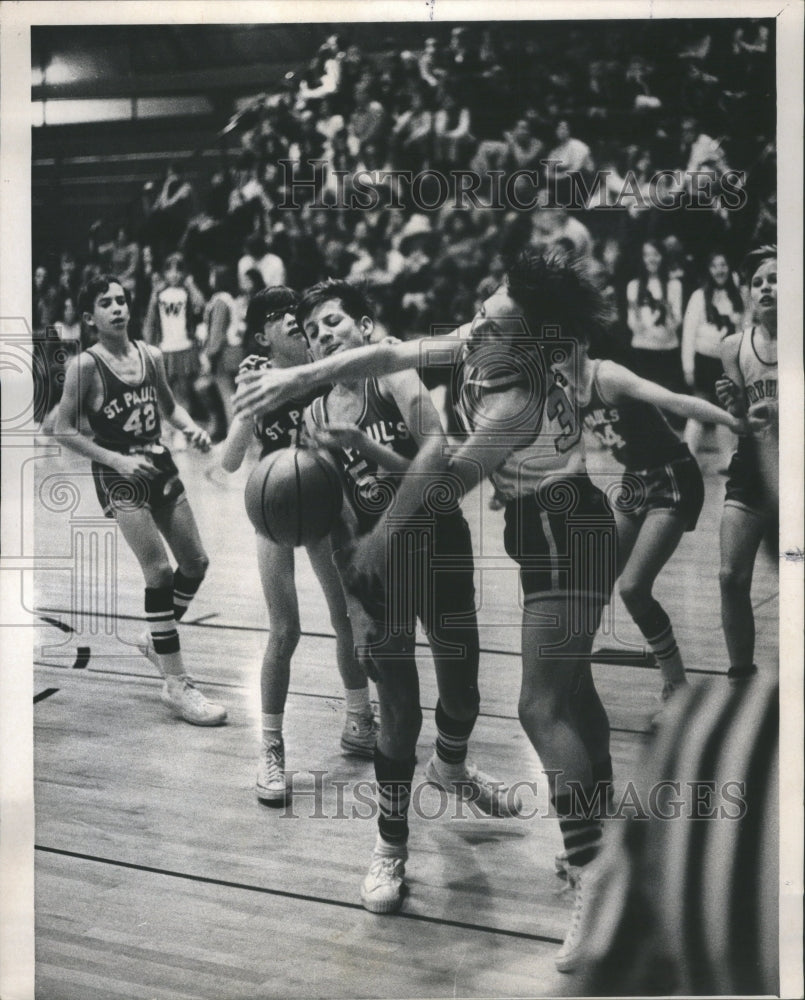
<point>161,620</point>
<point>184,590</point>
<point>452,736</point>
<point>655,625</point>
<point>393,796</point>
<point>581,834</point>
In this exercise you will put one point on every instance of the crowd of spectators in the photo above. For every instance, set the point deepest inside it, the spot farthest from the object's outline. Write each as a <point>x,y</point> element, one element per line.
<point>588,108</point>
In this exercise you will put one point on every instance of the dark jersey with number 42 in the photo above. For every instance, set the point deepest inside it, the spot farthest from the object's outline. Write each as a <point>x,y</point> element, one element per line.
<point>128,417</point>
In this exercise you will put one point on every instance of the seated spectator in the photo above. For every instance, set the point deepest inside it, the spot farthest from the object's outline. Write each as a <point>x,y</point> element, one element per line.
<point>69,281</point>
<point>368,122</point>
<point>431,69</point>
<point>249,205</point>
<point>411,141</point>
<point>568,157</point>
<point>523,149</point>
<point>549,225</point>
<point>171,212</point>
<point>452,131</point>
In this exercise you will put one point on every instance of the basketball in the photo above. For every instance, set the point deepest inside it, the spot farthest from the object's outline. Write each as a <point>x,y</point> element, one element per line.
<point>293,496</point>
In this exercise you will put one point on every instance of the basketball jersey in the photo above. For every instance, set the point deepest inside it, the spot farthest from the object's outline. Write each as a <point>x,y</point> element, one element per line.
<point>555,443</point>
<point>759,377</point>
<point>369,489</point>
<point>128,416</point>
<point>636,433</point>
<point>173,305</point>
<point>278,428</point>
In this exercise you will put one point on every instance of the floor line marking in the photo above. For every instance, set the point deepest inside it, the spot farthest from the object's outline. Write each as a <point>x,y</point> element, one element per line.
<point>286,894</point>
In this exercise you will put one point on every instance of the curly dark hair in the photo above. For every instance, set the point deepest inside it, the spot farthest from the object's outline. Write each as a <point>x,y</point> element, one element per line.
<point>353,299</point>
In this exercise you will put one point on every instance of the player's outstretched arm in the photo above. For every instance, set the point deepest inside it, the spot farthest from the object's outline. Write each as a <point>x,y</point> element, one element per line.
<point>177,416</point>
<point>78,383</point>
<point>618,382</point>
<point>263,390</point>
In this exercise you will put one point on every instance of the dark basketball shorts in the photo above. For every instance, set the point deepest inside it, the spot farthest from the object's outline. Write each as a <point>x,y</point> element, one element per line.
<point>129,493</point>
<point>706,372</point>
<point>564,539</point>
<point>181,365</point>
<point>676,486</point>
<point>744,480</point>
<point>430,578</point>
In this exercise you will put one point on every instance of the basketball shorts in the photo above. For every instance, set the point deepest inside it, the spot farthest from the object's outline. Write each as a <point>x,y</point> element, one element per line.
<point>429,577</point>
<point>676,486</point>
<point>706,372</point>
<point>181,365</point>
<point>744,480</point>
<point>129,493</point>
<point>564,539</point>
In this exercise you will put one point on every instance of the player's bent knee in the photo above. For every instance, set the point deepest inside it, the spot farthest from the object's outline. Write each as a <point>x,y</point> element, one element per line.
<point>634,593</point>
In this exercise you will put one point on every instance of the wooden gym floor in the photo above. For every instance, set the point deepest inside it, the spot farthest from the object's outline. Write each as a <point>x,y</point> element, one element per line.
<point>159,875</point>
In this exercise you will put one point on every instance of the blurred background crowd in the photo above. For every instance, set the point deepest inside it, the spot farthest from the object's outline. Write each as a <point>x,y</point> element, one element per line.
<point>613,103</point>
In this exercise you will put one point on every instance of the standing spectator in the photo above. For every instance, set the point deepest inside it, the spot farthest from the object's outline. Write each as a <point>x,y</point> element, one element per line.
<point>69,283</point>
<point>170,323</point>
<point>45,301</point>
<point>120,257</point>
<point>654,316</point>
<point>715,311</point>
<point>222,352</point>
<point>171,212</point>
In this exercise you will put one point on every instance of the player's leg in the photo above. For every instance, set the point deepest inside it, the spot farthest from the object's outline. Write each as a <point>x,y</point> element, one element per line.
<point>142,536</point>
<point>178,525</point>
<point>741,535</point>
<point>383,888</point>
<point>360,728</point>
<point>276,566</point>
<point>447,609</point>
<point>659,535</point>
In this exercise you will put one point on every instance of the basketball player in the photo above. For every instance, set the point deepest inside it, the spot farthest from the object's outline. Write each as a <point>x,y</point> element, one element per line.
<point>281,343</point>
<point>430,578</point>
<point>752,498</point>
<point>121,387</point>
<point>661,493</point>
<point>522,428</point>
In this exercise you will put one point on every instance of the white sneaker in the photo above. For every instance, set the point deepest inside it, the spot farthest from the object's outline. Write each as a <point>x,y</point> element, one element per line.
<point>145,644</point>
<point>568,956</point>
<point>468,783</point>
<point>272,785</point>
<point>190,704</point>
<point>383,889</point>
<point>359,735</point>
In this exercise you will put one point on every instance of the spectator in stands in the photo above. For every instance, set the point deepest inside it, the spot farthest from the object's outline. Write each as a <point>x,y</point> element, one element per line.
<point>411,141</point>
<point>45,307</point>
<point>249,205</point>
<point>452,131</point>
<point>68,285</point>
<point>368,122</point>
<point>430,64</point>
<point>715,311</point>
<point>257,254</point>
<point>550,225</point>
<point>654,317</point>
<point>570,155</point>
<point>120,257</point>
<point>170,323</point>
<point>222,351</point>
<point>172,210</point>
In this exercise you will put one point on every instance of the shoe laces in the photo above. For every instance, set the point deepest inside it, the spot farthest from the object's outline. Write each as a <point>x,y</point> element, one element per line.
<point>385,868</point>
<point>275,761</point>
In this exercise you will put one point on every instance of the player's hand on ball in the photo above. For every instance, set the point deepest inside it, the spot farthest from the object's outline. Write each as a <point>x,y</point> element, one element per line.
<point>198,438</point>
<point>135,465</point>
